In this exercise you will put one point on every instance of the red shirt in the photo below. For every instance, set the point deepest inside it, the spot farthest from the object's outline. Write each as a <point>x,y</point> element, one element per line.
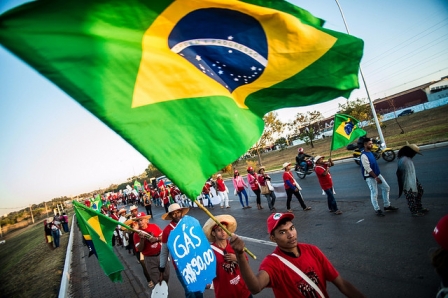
<point>325,181</point>
<point>164,195</point>
<point>206,188</point>
<point>220,185</point>
<point>228,282</point>
<point>287,176</point>
<point>287,284</point>
<point>253,179</point>
<point>151,249</point>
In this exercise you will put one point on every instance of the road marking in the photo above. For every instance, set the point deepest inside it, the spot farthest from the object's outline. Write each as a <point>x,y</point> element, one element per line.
<point>360,220</point>
<point>258,241</point>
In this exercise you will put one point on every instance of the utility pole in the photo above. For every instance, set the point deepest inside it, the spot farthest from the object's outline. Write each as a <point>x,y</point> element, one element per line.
<point>32,217</point>
<point>372,107</point>
<point>46,210</point>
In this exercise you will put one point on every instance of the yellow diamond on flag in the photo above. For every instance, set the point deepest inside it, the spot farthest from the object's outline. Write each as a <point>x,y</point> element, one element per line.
<point>94,222</point>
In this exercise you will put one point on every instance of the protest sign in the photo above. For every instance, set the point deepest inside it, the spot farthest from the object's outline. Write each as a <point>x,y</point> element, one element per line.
<point>192,254</point>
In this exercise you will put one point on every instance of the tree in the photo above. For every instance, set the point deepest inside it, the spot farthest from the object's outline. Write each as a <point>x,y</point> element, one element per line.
<point>272,127</point>
<point>152,171</point>
<point>306,126</point>
<point>359,109</point>
<point>281,142</point>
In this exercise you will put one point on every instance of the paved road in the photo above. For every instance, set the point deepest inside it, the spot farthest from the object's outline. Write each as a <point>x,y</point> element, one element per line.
<point>383,257</point>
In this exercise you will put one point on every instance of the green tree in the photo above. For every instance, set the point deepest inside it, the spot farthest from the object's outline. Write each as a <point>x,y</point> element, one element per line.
<point>306,126</point>
<point>152,171</point>
<point>272,127</point>
<point>358,108</point>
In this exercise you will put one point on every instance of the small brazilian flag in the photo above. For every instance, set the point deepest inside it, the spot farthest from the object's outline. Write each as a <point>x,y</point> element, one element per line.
<point>345,131</point>
<point>185,82</point>
<point>99,229</point>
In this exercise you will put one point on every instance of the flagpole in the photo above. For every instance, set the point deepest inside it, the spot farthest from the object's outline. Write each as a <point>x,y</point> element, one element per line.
<point>222,226</point>
<point>372,107</point>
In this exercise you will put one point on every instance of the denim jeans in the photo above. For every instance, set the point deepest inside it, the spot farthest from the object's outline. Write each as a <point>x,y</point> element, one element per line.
<point>332,205</point>
<point>56,235</point>
<point>385,189</point>
<point>241,197</point>
<point>271,199</point>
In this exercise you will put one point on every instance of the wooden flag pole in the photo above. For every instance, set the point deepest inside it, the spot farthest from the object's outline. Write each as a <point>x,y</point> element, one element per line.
<point>222,226</point>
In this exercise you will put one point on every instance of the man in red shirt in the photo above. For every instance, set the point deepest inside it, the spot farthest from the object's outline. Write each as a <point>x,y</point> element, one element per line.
<point>222,191</point>
<point>175,214</point>
<point>228,282</point>
<point>206,193</point>
<point>293,269</point>
<point>292,188</point>
<point>148,242</point>
<point>322,170</point>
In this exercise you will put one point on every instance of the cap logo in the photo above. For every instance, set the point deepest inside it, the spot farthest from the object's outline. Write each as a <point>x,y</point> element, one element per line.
<point>277,216</point>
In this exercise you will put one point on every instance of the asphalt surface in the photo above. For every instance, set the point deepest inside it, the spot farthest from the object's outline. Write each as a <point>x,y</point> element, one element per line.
<point>382,256</point>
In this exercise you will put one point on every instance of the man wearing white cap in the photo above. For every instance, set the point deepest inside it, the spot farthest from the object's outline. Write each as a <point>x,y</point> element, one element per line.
<point>322,170</point>
<point>175,214</point>
<point>293,269</point>
<point>292,188</point>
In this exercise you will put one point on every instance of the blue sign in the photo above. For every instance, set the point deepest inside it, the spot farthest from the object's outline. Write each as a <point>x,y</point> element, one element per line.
<point>192,254</point>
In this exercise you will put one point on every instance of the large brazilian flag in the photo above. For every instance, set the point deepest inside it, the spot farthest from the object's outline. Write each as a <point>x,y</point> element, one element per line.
<point>186,82</point>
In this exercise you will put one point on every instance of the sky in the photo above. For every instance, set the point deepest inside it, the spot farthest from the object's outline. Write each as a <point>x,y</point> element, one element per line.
<point>52,147</point>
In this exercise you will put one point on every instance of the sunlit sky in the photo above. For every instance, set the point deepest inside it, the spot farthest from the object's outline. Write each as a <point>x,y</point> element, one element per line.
<point>52,147</point>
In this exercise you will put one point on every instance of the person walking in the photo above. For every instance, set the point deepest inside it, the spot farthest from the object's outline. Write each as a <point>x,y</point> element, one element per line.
<point>372,175</point>
<point>207,195</point>
<point>64,222</point>
<point>228,282</point>
<point>407,180</point>
<point>174,214</point>
<point>48,234</point>
<point>265,181</point>
<point>55,233</point>
<point>240,185</point>
<point>252,179</point>
<point>147,202</point>
<point>293,269</point>
<point>222,192</point>
<point>292,188</point>
<point>322,170</point>
<point>148,243</point>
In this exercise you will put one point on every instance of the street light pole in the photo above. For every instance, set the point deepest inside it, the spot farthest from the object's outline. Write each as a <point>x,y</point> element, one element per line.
<point>372,107</point>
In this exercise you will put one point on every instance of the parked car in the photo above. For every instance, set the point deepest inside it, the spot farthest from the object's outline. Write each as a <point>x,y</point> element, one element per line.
<point>406,112</point>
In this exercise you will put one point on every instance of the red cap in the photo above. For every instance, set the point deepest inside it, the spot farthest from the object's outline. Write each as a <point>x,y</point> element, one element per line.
<point>440,232</point>
<point>275,218</point>
<point>250,169</point>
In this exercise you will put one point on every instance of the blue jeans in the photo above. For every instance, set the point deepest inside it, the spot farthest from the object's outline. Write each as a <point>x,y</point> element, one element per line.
<point>304,166</point>
<point>373,186</point>
<point>332,205</point>
<point>271,200</point>
<point>207,196</point>
<point>241,197</point>
<point>56,235</point>
<point>188,294</point>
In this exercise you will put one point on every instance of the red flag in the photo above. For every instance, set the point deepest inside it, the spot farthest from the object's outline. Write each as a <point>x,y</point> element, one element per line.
<point>145,185</point>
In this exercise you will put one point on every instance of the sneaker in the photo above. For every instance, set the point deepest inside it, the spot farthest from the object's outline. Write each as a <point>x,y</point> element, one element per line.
<point>423,210</point>
<point>248,206</point>
<point>306,208</point>
<point>289,210</point>
<point>338,212</point>
<point>222,207</point>
<point>417,214</point>
<point>390,208</point>
<point>228,207</point>
<point>379,213</point>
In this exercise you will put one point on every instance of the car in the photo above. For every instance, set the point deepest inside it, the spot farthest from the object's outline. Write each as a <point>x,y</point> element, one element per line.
<point>406,112</point>
<point>166,181</point>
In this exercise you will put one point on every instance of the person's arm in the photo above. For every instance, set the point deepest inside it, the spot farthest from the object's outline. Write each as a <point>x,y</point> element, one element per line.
<point>255,283</point>
<point>347,288</point>
<point>289,183</point>
<point>366,164</point>
<point>163,260</point>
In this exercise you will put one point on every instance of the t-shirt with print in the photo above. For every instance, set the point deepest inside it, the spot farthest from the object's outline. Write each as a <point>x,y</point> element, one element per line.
<point>287,284</point>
